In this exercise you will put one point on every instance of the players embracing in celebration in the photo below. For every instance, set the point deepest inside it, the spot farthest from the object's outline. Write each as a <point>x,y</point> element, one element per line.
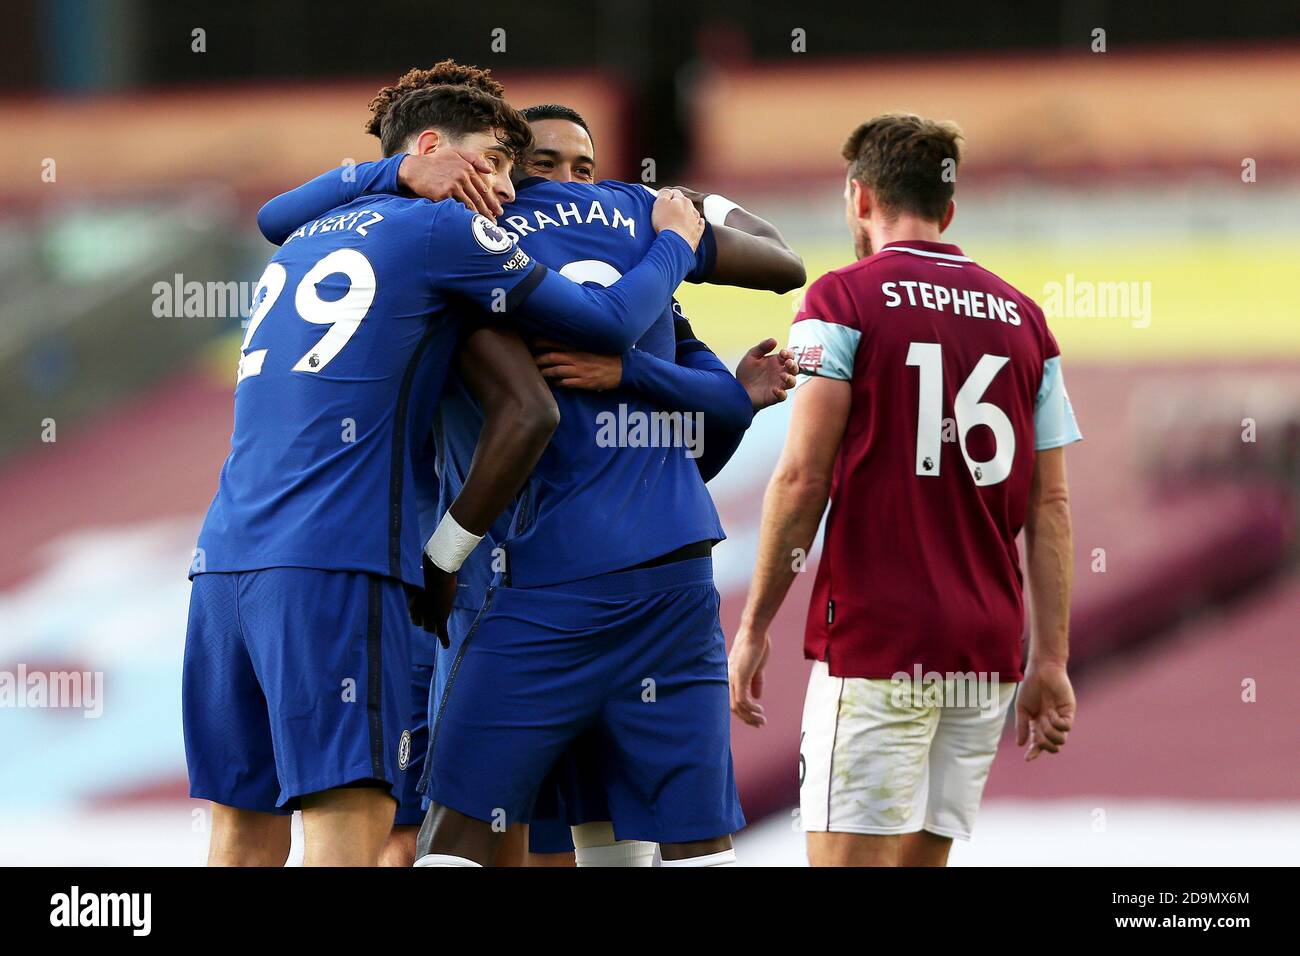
<point>587,478</point>
<point>296,684</point>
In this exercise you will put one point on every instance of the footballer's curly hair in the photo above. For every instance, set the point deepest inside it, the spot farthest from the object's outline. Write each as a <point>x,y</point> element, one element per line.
<point>443,73</point>
<point>455,111</point>
<point>909,162</point>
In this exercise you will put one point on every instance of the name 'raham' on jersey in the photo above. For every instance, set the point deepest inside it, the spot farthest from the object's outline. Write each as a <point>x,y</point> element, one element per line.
<point>592,507</point>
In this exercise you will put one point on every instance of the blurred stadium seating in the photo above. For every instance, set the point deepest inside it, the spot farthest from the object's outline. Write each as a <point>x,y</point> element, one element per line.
<point>1081,171</point>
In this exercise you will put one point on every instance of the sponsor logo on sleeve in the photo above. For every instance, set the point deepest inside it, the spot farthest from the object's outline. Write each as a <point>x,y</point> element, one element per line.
<point>518,261</point>
<point>809,358</point>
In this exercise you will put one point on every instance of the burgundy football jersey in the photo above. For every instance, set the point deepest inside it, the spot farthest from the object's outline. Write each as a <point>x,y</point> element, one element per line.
<point>955,383</point>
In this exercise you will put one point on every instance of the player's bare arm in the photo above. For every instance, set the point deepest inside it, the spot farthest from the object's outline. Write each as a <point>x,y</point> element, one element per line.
<point>792,508</point>
<point>1045,706</point>
<point>520,416</point>
<point>751,252</point>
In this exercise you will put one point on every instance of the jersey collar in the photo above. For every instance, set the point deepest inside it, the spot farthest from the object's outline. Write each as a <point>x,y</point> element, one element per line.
<point>930,250</point>
<point>529,181</point>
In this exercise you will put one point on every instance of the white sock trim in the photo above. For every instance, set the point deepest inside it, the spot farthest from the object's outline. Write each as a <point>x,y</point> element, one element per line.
<point>721,858</point>
<point>622,853</point>
<point>444,859</point>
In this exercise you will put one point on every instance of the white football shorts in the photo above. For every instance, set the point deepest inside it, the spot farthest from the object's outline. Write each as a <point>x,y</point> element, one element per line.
<point>878,757</point>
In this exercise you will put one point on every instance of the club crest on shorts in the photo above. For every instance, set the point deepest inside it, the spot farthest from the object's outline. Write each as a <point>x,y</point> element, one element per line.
<point>489,235</point>
<point>404,750</point>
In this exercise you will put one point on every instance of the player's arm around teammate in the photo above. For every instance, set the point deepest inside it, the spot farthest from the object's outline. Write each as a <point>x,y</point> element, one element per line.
<point>751,252</point>
<point>696,382</point>
<point>452,173</point>
<point>519,417</point>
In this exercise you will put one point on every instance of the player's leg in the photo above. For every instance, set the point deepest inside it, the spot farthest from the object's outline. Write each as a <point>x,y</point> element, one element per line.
<point>451,838</point>
<point>518,691</point>
<point>669,773</point>
<point>961,756</point>
<point>864,768</point>
<point>399,848</point>
<point>512,849</point>
<point>924,849</point>
<point>715,852</point>
<point>332,653</point>
<point>228,748</point>
<point>853,849</point>
<point>248,837</point>
<point>347,826</point>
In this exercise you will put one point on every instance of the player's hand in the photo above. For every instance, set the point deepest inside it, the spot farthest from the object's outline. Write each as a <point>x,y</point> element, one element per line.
<point>767,375</point>
<point>745,675</point>
<point>572,368</point>
<point>1045,709</point>
<point>431,606</point>
<point>673,211</point>
<point>694,195</point>
<point>451,173</point>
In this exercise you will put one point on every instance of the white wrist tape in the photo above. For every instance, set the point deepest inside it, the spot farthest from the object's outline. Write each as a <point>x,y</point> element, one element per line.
<point>716,209</point>
<point>451,544</point>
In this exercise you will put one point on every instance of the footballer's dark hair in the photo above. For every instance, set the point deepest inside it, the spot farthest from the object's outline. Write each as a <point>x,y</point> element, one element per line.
<point>909,162</point>
<point>545,111</point>
<point>443,73</point>
<point>455,111</point>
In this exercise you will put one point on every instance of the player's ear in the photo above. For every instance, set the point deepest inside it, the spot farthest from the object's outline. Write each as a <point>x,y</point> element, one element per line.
<point>860,199</point>
<point>427,142</point>
<point>948,214</point>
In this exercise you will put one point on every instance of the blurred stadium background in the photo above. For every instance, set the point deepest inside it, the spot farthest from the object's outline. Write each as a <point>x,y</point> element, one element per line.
<point>1150,191</point>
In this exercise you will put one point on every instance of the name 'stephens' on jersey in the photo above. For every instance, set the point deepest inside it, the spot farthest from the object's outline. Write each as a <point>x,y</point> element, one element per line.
<point>941,298</point>
<point>569,214</point>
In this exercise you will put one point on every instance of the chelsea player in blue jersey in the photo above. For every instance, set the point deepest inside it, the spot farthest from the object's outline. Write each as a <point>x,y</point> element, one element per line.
<point>296,670</point>
<point>617,214</point>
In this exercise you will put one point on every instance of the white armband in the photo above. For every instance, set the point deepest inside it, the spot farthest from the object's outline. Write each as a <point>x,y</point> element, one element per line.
<point>451,544</point>
<point>717,208</point>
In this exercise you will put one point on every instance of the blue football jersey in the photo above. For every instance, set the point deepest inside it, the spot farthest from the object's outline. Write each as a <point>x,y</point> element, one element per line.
<point>353,328</point>
<point>602,498</point>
